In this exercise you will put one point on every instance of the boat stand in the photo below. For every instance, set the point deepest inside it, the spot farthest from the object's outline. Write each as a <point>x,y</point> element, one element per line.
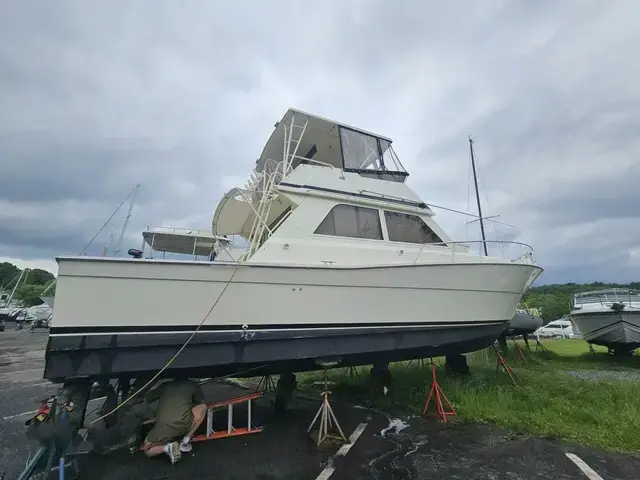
<point>540,346</point>
<point>419,361</point>
<point>502,362</point>
<point>326,416</point>
<point>351,371</point>
<point>230,431</point>
<point>520,351</point>
<point>437,394</point>
<point>266,384</point>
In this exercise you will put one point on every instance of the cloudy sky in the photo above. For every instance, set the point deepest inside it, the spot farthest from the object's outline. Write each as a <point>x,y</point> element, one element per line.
<point>180,97</point>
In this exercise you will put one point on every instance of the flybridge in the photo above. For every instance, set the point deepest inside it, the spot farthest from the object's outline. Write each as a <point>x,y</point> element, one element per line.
<point>302,138</point>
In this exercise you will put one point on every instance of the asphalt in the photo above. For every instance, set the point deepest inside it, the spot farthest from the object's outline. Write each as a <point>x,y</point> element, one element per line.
<point>388,448</point>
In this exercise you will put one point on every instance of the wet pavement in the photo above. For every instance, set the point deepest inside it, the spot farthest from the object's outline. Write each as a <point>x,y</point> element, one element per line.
<point>387,448</point>
<point>429,449</point>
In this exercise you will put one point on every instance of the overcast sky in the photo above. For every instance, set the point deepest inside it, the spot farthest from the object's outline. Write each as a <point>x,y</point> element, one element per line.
<point>180,97</point>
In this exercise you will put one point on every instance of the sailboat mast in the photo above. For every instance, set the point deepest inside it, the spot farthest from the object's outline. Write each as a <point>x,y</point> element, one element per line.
<point>475,181</point>
<point>126,220</point>
<point>22,273</point>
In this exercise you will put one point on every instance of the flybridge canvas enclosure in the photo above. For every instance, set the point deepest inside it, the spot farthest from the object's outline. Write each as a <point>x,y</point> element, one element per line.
<point>330,143</point>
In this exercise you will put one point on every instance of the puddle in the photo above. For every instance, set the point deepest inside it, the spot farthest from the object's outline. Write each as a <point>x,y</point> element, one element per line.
<point>396,425</point>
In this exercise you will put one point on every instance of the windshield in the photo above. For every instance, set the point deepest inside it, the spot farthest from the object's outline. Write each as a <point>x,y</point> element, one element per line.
<point>362,152</point>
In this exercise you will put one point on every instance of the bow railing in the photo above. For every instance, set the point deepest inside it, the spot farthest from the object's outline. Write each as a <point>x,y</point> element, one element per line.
<point>516,252</point>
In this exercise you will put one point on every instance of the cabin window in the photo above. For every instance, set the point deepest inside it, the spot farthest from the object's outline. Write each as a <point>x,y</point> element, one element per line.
<point>352,221</point>
<point>409,229</point>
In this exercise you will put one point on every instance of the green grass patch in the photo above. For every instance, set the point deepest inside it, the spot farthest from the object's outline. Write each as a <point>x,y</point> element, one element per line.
<point>601,412</point>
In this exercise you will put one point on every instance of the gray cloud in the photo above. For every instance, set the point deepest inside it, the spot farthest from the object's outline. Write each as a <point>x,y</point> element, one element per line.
<point>97,98</point>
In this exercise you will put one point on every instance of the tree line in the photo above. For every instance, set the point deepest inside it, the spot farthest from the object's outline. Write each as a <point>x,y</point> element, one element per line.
<point>554,300</point>
<point>32,284</point>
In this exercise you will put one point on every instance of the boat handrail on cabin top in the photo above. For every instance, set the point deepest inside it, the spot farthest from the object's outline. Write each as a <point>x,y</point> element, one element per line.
<point>526,255</point>
<point>180,231</point>
<point>606,297</point>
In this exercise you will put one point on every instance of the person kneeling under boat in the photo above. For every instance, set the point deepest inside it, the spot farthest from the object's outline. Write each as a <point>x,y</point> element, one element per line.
<point>181,410</point>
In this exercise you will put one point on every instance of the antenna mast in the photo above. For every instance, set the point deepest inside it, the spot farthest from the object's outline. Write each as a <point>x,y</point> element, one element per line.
<point>475,181</point>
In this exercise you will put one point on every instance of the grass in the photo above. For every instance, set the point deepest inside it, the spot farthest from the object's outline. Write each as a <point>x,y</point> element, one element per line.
<point>549,401</point>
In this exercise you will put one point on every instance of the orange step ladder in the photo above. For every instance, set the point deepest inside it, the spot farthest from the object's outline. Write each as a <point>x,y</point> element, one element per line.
<point>230,431</point>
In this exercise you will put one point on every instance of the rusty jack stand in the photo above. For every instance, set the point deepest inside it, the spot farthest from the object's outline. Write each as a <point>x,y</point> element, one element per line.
<point>437,394</point>
<point>326,416</point>
<point>507,368</point>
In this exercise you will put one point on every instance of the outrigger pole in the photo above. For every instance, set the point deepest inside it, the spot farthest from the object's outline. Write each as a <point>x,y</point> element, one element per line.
<point>475,181</point>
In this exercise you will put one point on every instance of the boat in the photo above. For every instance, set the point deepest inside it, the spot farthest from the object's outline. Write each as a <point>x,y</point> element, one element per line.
<point>524,322</point>
<point>560,328</point>
<point>609,317</point>
<point>7,301</point>
<point>343,262</point>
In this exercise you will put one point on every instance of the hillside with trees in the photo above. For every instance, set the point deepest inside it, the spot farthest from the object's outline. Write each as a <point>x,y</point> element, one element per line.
<point>31,285</point>
<point>555,300</point>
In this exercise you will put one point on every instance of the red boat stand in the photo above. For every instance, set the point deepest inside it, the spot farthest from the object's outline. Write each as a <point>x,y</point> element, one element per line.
<point>501,362</point>
<point>437,395</point>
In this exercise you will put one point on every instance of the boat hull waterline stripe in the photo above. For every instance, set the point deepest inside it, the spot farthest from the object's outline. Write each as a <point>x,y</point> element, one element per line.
<point>87,330</point>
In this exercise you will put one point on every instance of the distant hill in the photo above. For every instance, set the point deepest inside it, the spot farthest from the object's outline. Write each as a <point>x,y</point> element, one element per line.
<point>555,300</point>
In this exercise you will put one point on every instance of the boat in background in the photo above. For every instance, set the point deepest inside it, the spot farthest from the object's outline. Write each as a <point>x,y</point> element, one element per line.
<point>8,301</point>
<point>609,317</point>
<point>343,263</point>
<point>524,322</point>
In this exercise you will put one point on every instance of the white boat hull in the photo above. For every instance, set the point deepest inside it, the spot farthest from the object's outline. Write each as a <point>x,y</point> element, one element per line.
<point>286,316</point>
<point>610,328</point>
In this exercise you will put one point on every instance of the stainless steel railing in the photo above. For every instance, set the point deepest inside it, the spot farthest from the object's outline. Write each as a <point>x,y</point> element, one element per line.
<point>525,251</point>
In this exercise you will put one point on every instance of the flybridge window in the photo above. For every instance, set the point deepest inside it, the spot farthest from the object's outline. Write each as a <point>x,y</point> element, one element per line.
<point>352,221</point>
<point>366,153</point>
<point>409,229</point>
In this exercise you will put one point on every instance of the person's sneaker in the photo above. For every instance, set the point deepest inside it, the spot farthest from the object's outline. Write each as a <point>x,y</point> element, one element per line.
<point>185,447</point>
<point>174,452</point>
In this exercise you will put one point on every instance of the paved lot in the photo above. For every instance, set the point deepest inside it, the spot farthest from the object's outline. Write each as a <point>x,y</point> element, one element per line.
<point>388,448</point>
